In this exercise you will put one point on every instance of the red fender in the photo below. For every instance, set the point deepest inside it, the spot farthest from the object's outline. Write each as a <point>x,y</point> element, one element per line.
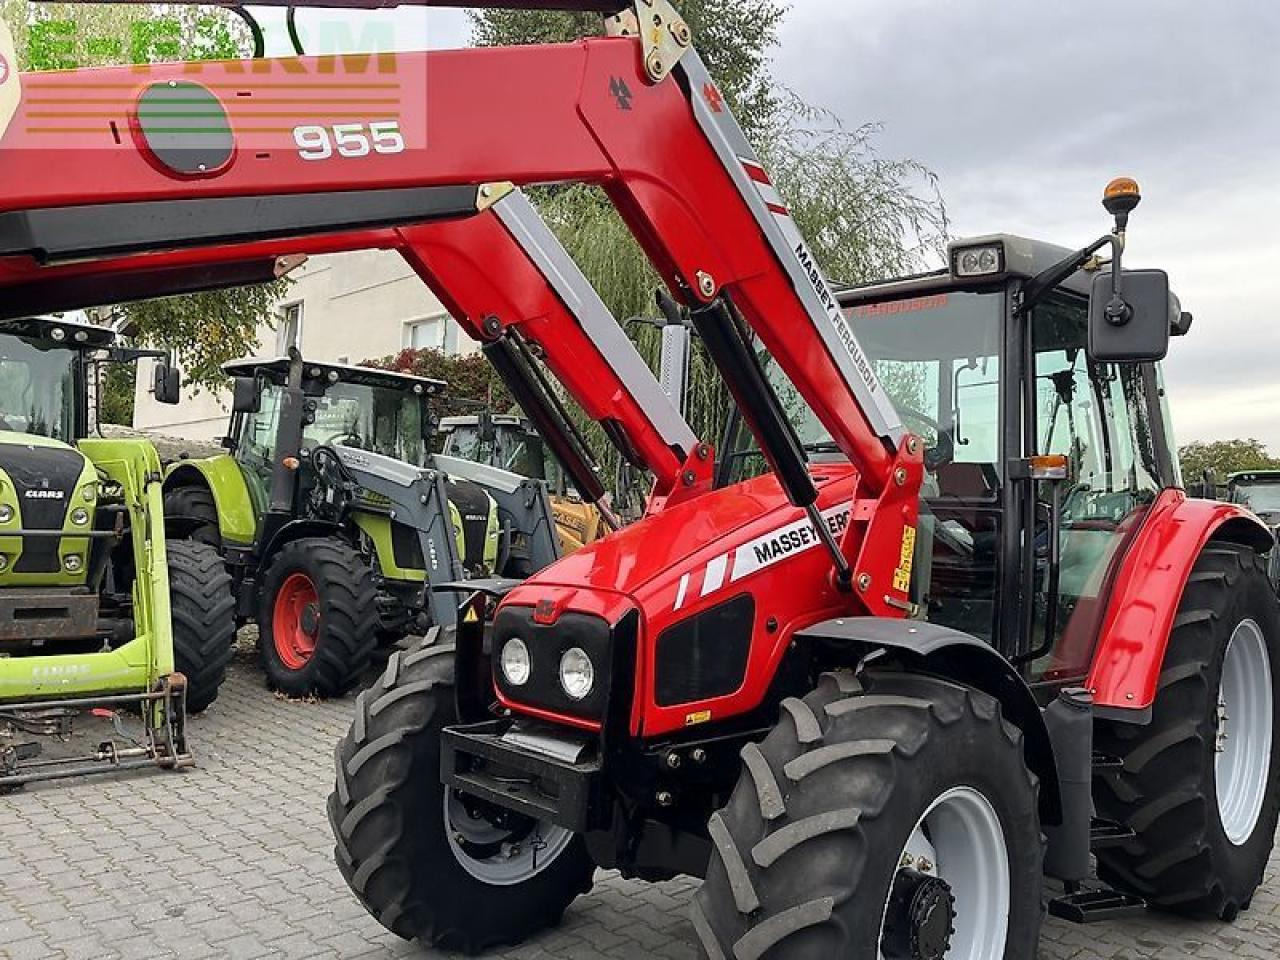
<point>1148,588</point>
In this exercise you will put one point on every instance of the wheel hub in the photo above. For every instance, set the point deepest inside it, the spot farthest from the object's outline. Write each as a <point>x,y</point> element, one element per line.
<point>920,918</point>
<point>309,619</point>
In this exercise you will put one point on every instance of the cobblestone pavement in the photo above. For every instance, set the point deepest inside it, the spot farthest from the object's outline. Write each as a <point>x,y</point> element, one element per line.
<point>233,860</point>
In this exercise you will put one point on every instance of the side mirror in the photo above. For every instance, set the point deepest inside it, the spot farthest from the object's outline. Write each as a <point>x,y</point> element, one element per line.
<point>244,395</point>
<point>1131,326</point>
<point>166,383</point>
<point>488,432</point>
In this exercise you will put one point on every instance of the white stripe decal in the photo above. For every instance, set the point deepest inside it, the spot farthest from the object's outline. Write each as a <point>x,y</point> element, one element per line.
<point>769,194</point>
<point>715,574</point>
<point>680,592</point>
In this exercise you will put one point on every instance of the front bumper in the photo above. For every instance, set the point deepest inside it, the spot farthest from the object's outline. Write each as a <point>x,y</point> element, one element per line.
<point>535,770</point>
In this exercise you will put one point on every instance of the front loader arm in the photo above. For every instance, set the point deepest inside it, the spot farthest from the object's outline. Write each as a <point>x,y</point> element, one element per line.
<point>667,153</point>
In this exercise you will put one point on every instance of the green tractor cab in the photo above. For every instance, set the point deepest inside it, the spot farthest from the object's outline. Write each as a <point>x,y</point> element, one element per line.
<point>336,522</point>
<point>509,442</point>
<point>96,611</point>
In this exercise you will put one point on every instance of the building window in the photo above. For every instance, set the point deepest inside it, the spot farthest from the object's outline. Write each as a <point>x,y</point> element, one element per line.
<point>426,334</point>
<point>289,328</point>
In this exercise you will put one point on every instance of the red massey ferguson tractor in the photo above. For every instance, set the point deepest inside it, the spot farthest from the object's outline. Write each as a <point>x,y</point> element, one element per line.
<point>871,696</point>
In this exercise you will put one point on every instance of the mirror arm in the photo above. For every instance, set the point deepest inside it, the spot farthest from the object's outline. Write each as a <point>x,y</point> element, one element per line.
<point>1035,288</point>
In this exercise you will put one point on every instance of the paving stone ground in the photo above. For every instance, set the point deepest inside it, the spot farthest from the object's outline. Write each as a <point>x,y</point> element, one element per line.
<point>233,860</point>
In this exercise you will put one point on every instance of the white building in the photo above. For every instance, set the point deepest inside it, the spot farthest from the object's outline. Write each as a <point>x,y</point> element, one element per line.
<point>344,308</point>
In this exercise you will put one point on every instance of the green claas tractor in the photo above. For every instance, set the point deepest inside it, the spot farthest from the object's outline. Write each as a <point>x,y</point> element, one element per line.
<point>509,441</point>
<point>338,525</point>
<point>97,612</point>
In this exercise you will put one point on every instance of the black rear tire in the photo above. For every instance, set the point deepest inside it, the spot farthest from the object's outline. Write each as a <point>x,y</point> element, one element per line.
<point>813,834</point>
<point>195,513</point>
<point>203,615</point>
<point>387,815</point>
<point>347,619</point>
<point>1182,859</point>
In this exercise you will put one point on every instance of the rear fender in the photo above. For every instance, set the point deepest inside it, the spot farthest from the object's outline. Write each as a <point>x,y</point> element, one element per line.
<point>221,475</point>
<point>1146,592</point>
<point>942,652</point>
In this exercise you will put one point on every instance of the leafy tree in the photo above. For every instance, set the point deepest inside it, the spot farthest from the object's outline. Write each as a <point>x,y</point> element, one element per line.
<point>1223,457</point>
<point>204,329</point>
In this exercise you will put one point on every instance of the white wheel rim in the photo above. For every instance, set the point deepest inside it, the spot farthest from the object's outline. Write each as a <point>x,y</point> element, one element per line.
<point>960,839</point>
<point>1242,759</point>
<point>512,862</point>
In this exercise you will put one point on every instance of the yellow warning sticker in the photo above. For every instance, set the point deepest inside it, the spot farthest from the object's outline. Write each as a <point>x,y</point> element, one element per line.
<point>9,88</point>
<point>697,717</point>
<point>470,616</point>
<point>902,575</point>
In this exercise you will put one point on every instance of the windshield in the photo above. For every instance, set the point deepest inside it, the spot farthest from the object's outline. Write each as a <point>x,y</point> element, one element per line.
<point>512,448</point>
<point>376,419</point>
<point>1260,498</point>
<point>37,392</point>
<point>938,358</point>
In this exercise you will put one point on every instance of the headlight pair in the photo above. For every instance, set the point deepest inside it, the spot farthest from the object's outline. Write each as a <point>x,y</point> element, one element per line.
<point>577,672</point>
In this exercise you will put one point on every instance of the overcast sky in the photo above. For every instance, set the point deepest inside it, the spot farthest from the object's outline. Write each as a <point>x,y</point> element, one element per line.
<point>1026,109</point>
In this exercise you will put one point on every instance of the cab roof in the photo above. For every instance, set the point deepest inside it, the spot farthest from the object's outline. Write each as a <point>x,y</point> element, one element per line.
<point>1024,258</point>
<point>278,368</point>
<point>72,334</point>
<point>1254,476</point>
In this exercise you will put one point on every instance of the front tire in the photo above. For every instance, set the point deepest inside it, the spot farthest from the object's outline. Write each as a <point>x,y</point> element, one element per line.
<point>422,865</point>
<point>203,616</point>
<point>317,618</point>
<point>1203,805</point>
<point>811,854</point>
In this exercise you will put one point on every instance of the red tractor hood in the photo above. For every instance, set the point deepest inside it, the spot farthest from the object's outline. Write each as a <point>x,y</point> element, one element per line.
<point>692,550</point>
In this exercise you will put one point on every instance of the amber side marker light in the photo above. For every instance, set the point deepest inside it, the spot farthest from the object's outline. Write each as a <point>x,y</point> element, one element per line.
<point>1049,467</point>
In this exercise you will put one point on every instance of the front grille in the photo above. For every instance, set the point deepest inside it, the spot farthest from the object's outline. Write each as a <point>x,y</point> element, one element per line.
<point>472,504</point>
<point>44,480</point>
<point>705,656</point>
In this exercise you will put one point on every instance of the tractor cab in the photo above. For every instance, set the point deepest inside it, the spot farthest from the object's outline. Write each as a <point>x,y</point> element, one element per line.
<point>1041,455</point>
<point>47,367</point>
<point>509,442</point>
<point>360,408</point>
<point>1259,490</point>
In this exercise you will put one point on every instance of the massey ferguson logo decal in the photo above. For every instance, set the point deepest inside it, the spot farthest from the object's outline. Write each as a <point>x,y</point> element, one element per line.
<point>763,551</point>
<point>836,316</point>
<point>45,495</point>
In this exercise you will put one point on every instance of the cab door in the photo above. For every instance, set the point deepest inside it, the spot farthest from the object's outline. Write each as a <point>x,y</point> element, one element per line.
<point>1107,419</point>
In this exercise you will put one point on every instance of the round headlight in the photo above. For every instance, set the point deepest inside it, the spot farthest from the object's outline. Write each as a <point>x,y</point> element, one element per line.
<point>73,562</point>
<point>80,516</point>
<point>515,662</point>
<point>6,513</point>
<point>577,673</point>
